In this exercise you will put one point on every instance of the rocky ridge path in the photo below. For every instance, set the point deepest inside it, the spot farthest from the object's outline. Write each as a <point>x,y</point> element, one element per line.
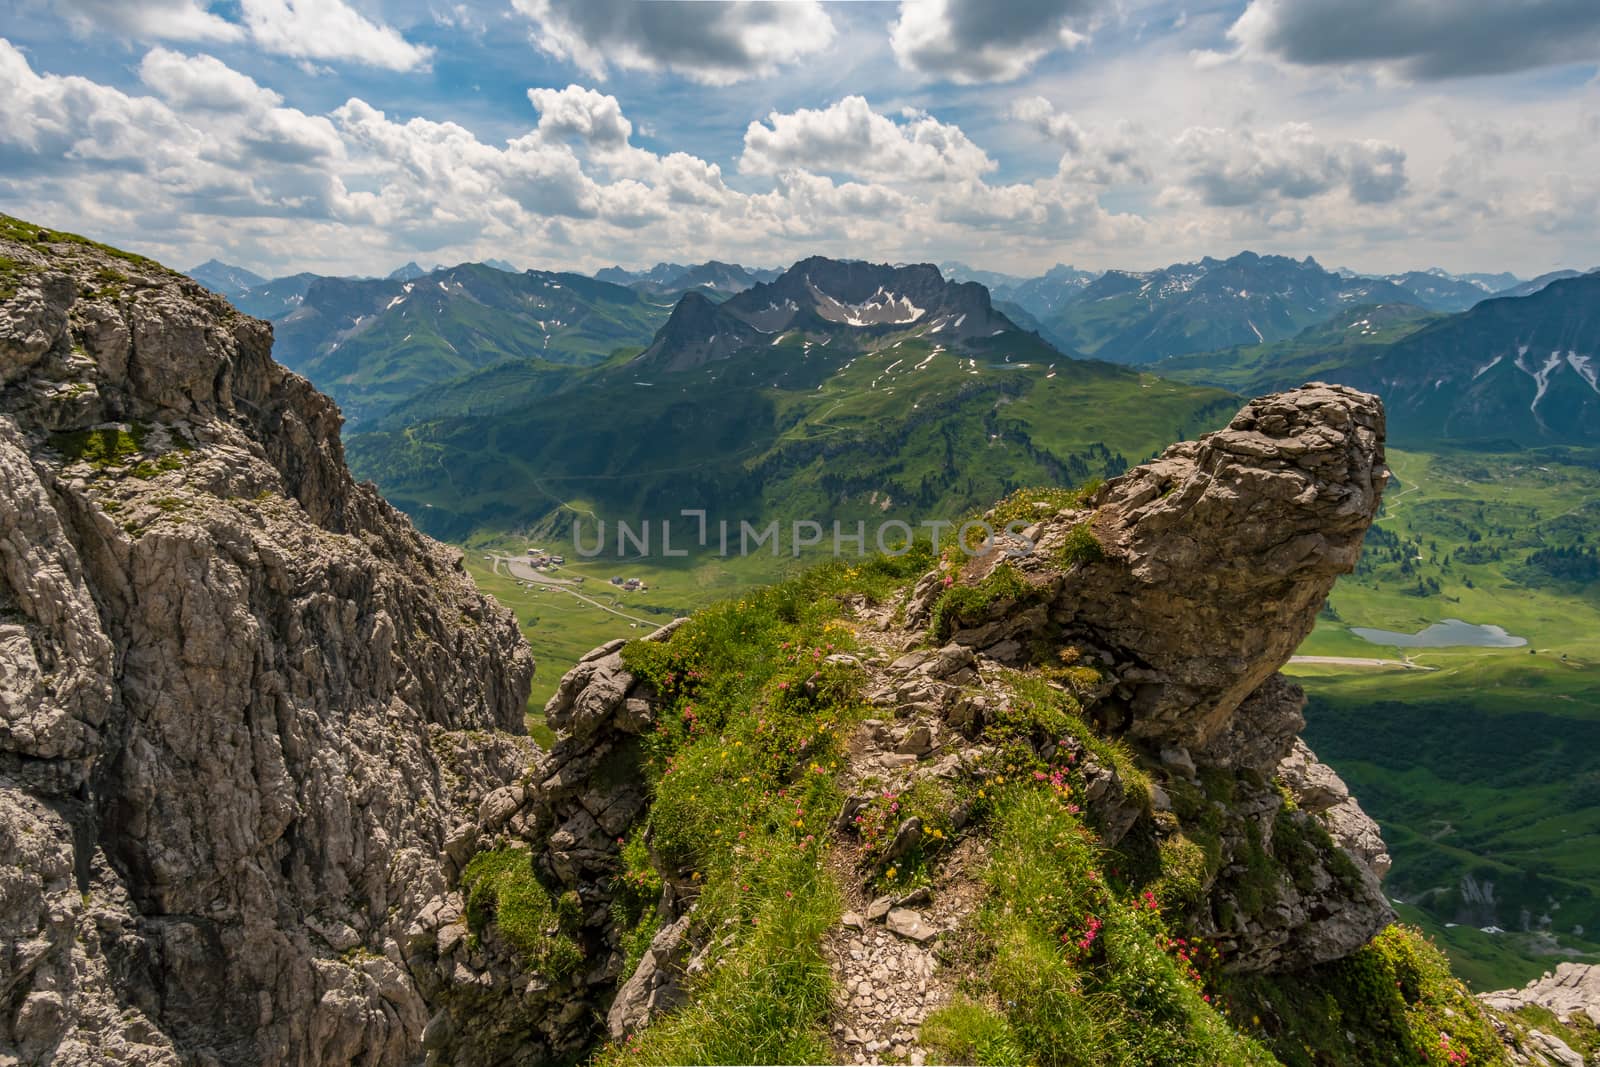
<point>887,974</point>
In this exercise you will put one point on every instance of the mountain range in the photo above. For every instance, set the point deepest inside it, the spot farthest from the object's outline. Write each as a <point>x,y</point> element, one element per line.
<point>840,388</point>
<point>374,343</point>
<point>712,277</point>
<point>1522,369</point>
<point>1195,307</point>
<point>223,278</point>
<point>1247,322</point>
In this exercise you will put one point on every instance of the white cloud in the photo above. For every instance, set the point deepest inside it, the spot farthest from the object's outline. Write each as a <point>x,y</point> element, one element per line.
<point>51,123</point>
<point>713,43</point>
<point>300,29</point>
<point>202,83</point>
<point>981,41</point>
<point>1099,156</point>
<point>850,138</point>
<point>329,29</point>
<point>580,114</point>
<point>1423,38</point>
<point>160,20</point>
<point>1239,167</point>
<point>200,160</point>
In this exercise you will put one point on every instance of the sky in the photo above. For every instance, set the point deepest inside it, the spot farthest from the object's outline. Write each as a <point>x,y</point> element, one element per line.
<point>349,136</point>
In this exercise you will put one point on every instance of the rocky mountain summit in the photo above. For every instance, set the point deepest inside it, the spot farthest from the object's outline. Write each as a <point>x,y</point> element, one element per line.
<point>824,300</point>
<point>243,704</point>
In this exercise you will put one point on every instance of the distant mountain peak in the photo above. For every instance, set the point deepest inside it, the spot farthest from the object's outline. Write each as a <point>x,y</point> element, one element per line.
<point>822,298</point>
<point>225,278</point>
<point>408,273</point>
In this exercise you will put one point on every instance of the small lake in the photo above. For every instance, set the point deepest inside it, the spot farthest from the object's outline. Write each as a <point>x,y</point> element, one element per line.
<point>1451,633</point>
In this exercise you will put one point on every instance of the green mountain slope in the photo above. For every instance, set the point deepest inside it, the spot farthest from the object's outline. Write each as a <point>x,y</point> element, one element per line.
<point>1317,351</point>
<point>373,343</point>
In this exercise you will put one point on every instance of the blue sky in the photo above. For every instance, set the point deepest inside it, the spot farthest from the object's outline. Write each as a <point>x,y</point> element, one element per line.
<point>352,135</point>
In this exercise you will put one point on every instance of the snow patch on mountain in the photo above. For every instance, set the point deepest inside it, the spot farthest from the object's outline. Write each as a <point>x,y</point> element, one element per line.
<point>1540,376</point>
<point>1586,369</point>
<point>883,308</point>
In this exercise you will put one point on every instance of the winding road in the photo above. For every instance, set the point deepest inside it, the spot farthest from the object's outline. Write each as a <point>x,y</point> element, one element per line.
<point>1359,661</point>
<point>519,570</point>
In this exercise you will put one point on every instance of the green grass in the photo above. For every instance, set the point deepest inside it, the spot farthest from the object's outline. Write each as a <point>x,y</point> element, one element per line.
<point>101,448</point>
<point>501,887</point>
<point>961,604</point>
<point>15,229</point>
<point>1065,967</point>
<point>1081,546</point>
<point>1394,1001</point>
<point>1030,504</point>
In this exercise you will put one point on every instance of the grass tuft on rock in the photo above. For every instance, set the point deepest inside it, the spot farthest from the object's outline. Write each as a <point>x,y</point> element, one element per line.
<point>1393,1001</point>
<point>962,604</point>
<point>101,448</point>
<point>500,886</point>
<point>1066,966</point>
<point>1081,546</point>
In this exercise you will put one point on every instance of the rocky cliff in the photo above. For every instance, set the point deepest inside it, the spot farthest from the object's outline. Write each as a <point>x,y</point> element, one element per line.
<point>243,704</point>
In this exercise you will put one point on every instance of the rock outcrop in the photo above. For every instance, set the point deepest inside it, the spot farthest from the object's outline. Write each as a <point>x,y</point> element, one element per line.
<point>1187,583</point>
<point>243,704</point>
<point>1571,993</point>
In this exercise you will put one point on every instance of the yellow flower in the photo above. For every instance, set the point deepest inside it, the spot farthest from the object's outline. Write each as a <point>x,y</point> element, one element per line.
<point>891,872</point>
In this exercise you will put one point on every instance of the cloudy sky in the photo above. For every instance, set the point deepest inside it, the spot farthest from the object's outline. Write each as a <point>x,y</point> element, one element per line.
<point>347,136</point>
